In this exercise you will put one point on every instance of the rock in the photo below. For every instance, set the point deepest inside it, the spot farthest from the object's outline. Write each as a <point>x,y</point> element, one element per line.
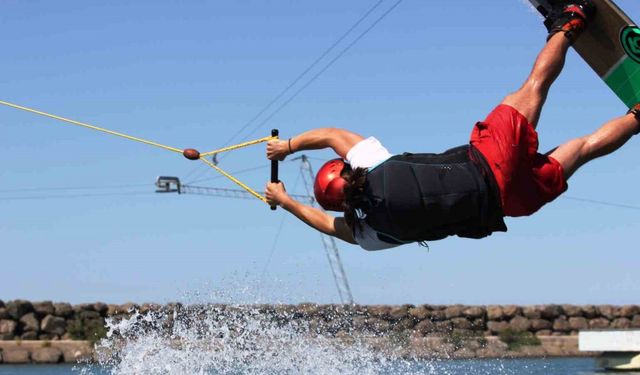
<point>63,310</point>
<point>617,312</point>
<point>54,325</point>
<point>30,323</point>
<point>461,323</point>
<point>438,315</point>
<point>330,312</point>
<point>419,313</point>
<point>397,313</point>
<point>83,307</point>
<point>572,311</point>
<point>4,314</point>
<point>1,303</point>
<point>473,313</point>
<point>531,312</point>
<point>379,311</point>
<point>403,324</point>
<point>511,311</point>
<point>102,308</point>
<point>540,325</point>
<point>125,309</point>
<point>599,323</point>
<point>317,325</point>
<point>578,323</point>
<point>305,310</point>
<point>147,308</point>
<point>379,326</point>
<point>494,313</point>
<point>606,311</point>
<point>444,350</point>
<point>8,327</point>
<point>629,311</point>
<point>443,326</point>
<point>43,309</point>
<point>359,323</point>
<point>561,325</point>
<point>460,335</point>
<point>520,323</point>
<point>425,327</point>
<point>112,310</point>
<point>172,307</point>
<point>589,311</point>
<point>635,322</point>
<point>621,323</point>
<point>29,336</point>
<point>46,355</point>
<point>497,327</point>
<point>479,324</point>
<point>454,311</point>
<point>551,312</point>
<point>15,356</point>
<point>334,326</point>
<point>18,308</point>
<point>89,315</point>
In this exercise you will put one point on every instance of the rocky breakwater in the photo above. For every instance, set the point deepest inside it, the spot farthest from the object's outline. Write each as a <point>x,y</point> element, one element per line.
<point>46,332</point>
<point>39,331</point>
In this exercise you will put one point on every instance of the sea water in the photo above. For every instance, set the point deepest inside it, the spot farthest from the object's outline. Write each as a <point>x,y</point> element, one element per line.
<point>564,366</point>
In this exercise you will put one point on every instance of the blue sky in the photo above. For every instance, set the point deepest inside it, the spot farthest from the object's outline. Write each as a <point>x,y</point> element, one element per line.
<point>79,220</point>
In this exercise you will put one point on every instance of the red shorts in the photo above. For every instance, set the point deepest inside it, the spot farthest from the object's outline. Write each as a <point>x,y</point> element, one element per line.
<point>526,179</point>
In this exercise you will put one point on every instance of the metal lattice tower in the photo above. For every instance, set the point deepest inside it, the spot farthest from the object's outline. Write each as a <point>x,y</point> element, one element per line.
<point>329,243</point>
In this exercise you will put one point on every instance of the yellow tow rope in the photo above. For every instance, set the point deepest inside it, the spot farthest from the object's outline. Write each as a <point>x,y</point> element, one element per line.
<point>190,154</point>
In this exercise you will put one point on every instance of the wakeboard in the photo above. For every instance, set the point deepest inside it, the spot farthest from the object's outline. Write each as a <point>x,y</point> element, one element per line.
<point>611,46</point>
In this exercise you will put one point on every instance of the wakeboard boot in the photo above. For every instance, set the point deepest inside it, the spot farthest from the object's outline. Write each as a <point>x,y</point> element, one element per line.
<point>570,17</point>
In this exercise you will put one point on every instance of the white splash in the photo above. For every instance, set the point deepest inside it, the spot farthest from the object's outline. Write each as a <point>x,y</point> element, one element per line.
<point>220,339</point>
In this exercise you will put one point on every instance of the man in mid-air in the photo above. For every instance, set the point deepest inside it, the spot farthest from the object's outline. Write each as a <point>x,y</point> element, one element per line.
<point>390,200</point>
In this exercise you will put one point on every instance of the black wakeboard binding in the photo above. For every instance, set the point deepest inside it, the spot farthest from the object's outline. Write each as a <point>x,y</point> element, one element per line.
<point>570,17</point>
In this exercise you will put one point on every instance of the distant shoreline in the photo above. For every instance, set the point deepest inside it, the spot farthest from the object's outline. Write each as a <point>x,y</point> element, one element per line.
<point>47,332</point>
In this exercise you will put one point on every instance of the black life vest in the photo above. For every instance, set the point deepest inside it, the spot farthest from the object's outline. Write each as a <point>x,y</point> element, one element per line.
<point>427,197</point>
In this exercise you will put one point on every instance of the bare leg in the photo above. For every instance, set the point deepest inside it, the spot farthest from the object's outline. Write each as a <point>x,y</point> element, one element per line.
<point>610,137</point>
<point>528,100</point>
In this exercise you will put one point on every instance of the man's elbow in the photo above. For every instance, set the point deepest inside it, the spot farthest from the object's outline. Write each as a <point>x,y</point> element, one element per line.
<point>342,140</point>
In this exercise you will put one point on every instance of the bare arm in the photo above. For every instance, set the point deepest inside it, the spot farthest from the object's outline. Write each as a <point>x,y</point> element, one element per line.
<point>340,140</point>
<point>315,218</point>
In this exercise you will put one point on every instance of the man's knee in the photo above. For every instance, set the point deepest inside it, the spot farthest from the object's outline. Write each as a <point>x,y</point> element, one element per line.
<point>527,101</point>
<point>571,155</point>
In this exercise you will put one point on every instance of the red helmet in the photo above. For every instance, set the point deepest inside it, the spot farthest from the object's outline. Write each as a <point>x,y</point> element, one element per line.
<point>329,185</point>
